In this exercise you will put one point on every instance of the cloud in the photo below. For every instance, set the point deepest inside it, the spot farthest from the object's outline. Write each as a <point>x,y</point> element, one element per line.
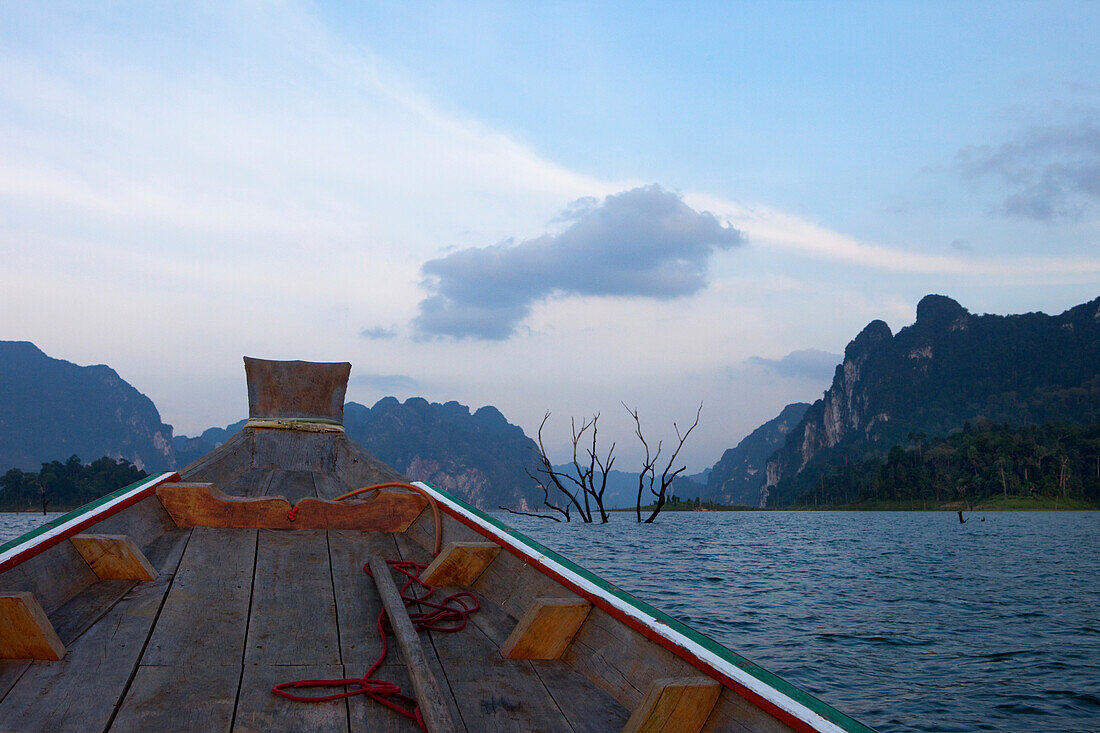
<point>378,332</point>
<point>804,364</point>
<point>1052,171</point>
<point>645,242</point>
<point>386,382</point>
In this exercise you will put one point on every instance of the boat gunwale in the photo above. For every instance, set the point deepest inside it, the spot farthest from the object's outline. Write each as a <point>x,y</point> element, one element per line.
<point>768,691</point>
<point>41,538</point>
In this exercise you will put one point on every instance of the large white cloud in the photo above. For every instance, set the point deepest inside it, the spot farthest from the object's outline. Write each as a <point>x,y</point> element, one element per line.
<point>645,242</point>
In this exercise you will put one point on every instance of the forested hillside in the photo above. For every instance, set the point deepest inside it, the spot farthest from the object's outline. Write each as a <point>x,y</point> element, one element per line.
<point>948,369</point>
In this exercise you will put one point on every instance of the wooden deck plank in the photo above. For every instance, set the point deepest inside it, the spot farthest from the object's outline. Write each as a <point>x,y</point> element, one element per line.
<point>80,692</point>
<point>10,672</point>
<point>180,698</point>
<point>367,716</point>
<point>428,690</point>
<point>78,615</point>
<point>587,708</point>
<point>192,630</point>
<point>492,693</point>
<point>166,550</point>
<point>410,550</point>
<point>258,711</point>
<point>293,618</point>
<point>357,600</point>
<point>294,485</point>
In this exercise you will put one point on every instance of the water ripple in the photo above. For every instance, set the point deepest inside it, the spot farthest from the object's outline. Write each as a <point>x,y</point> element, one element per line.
<point>904,620</point>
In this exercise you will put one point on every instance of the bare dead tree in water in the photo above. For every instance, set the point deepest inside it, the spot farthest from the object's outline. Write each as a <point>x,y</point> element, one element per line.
<point>584,488</point>
<point>647,479</point>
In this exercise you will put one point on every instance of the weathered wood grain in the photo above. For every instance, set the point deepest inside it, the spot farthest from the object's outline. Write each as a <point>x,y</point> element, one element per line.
<point>292,485</point>
<point>166,551</point>
<point>10,672</point>
<point>204,618</point>
<point>294,450</point>
<point>78,615</point>
<point>223,463</point>
<point>80,692</point>
<point>410,551</point>
<point>514,585</point>
<point>460,563</point>
<point>293,618</point>
<point>546,629</point>
<point>621,660</point>
<point>290,389</point>
<point>680,705</point>
<point>25,631</point>
<point>433,707</point>
<point>143,522</point>
<point>250,482</point>
<point>329,485</point>
<point>493,693</point>
<point>587,708</point>
<point>258,711</point>
<point>114,557</point>
<point>357,467</point>
<point>367,716</point>
<point>54,576</point>
<point>206,505</point>
<point>422,531</point>
<point>179,698</point>
<point>736,714</point>
<point>357,600</point>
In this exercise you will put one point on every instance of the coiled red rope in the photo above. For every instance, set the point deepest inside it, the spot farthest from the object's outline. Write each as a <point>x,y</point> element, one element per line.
<point>447,615</point>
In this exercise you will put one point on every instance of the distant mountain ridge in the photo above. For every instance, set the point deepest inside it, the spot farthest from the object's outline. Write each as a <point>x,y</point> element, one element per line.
<point>479,456</point>
<point>948,368</point>
<point>738,477</point>
<point>51,409</point>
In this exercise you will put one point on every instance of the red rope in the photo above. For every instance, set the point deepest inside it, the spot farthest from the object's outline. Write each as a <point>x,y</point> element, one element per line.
<point>448,615</point>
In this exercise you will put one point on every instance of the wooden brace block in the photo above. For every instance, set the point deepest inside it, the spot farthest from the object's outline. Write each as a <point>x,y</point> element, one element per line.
<point>460,563</point>
<point>679,705</point>
<point>114,557</point>
<point>25,632</point>
<point>546,628</point>
<point>205,505</point>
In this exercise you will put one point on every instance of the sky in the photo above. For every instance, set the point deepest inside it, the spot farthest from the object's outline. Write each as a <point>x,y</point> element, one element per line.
<point>564,207</point>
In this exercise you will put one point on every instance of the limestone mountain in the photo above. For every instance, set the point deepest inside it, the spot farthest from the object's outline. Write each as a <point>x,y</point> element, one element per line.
<point>51,409</point>
<point>480,457</point>
<point>948,368</point>
<point>738,477</point>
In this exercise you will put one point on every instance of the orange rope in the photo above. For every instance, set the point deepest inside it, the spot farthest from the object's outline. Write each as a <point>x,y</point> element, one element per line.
<point>396,485</point>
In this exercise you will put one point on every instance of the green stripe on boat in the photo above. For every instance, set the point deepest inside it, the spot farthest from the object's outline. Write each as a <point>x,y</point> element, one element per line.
<point>75,513</point>
<point>774,681</point>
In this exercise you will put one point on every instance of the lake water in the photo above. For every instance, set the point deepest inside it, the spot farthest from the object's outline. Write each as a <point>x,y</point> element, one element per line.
<point>903,620</point>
